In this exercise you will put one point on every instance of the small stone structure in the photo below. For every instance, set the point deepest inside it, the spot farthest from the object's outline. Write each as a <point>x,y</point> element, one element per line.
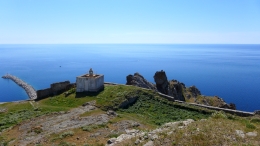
<point>90,82</point>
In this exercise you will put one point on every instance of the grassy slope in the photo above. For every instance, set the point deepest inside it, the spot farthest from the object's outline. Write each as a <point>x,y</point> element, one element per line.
<point>150,109</point>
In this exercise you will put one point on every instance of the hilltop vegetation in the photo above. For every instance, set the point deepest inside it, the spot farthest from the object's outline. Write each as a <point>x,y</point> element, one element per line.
<point>135,108</point>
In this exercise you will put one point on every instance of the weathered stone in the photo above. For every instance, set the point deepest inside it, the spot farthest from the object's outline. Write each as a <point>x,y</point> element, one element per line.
<point>251,134</point>
<point>240,133</point>
<point>137,142</point>
<point>28,88</point>
<point>3,110</point>
<point>135,124</point>
<point>176,90</point>
<point>187,122</point>
<point>111,113</point>
<point>111,140</point>
<point>194,90</point>
<point>171,124</point>
<point>153,137</point>
<point>229,106</point>
<point>149,143</point>
<point>140,81</point>
<point>257,112</point>
<point>161,81</point>
<point>131,131</point>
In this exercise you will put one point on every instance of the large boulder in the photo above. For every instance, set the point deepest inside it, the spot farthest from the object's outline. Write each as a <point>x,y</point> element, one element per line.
<point>140,81</point>
<point>161,81</point>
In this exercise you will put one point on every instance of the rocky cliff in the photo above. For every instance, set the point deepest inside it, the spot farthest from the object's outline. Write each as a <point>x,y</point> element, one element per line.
<point>177,90</point>
<point>140,81</point>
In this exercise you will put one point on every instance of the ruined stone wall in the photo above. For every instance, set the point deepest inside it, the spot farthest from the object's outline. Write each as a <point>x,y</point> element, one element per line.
<point>43,93</point>
<point>59,87</point>
<point>54,89</point>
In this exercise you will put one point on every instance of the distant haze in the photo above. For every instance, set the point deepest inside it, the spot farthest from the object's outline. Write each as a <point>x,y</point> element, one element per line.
<point>130,21</point>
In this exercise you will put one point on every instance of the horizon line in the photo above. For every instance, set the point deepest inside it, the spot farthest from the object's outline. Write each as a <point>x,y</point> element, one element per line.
<point>129,43</point>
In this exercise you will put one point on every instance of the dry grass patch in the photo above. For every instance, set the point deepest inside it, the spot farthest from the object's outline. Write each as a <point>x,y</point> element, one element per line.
<point>214,131</point>
<point>93,112</point>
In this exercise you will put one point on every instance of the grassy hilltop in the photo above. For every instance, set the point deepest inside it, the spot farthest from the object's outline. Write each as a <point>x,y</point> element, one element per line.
<point>136,108</point>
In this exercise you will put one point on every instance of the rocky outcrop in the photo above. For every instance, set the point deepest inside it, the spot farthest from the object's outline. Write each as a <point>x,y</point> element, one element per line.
<point>229,106</point>
<point>161,81</point>
<point>194,91</point>
<point>177,90</point>
<point>146,138</point>
<point>140,81</point>
<point>257,112</point>
<point>172,88</point>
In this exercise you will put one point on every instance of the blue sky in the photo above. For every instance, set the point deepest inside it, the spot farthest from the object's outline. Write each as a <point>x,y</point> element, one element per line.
<point>130,21</point>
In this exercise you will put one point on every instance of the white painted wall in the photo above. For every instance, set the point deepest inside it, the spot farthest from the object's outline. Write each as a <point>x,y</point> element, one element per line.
<point>89,83</point>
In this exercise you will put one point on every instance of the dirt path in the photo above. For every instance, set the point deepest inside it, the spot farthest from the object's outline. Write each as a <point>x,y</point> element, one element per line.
<point>36,129</point>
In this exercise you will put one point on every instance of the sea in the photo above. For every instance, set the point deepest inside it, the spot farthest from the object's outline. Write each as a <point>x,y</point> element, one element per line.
<point>231,72</point>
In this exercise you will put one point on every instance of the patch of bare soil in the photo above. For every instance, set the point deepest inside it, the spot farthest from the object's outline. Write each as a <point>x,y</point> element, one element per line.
<point>36,130</point>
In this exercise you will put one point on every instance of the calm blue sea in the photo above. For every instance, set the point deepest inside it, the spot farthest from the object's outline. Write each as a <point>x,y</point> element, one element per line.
<point>229,71</point>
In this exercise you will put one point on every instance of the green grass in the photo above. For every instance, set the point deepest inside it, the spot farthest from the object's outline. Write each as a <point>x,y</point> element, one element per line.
<point>158,111</point>
<point>149,106</point>
<point>90,128</point>
<point>16,113</point>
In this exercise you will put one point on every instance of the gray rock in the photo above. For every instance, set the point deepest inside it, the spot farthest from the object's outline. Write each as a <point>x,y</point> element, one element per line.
<point>131,131</point>
<point>140,81</point>
<point>257,112</point>
<point>251,134</point>
<point>240,133</point>
<point>153,137</point>
<point>135,124</point>
<point>111,113</point>
<point>149,143</point>
<point>137,142</point>
<point>161,81</point>
<point>111,140</point>
<point>187,122</point>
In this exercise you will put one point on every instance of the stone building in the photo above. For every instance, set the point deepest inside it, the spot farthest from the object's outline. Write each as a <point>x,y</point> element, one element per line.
<point>90,82</point>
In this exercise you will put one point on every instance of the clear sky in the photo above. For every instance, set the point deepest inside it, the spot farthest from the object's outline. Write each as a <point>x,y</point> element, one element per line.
<point>130,21</point>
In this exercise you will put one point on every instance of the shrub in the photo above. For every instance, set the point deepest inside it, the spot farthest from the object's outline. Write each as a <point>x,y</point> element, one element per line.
<point>250,126</point>
<point>67,134</point>
<point>255,121</point>
<point>63,143</point>
<point>89,128</point>
<point>218,115</point>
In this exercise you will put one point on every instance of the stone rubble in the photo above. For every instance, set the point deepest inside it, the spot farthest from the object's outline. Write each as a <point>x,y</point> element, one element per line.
<point>28,88</point>
<point>241,134</point>
<point>150,136</point>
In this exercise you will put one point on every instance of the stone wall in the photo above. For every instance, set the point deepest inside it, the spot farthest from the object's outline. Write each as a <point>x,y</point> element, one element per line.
<point>59,87</point>
<point>43,93</point>
<point>54,89</point>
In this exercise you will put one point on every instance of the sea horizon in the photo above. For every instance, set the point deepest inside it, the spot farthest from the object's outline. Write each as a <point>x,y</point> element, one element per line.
<point>213,68</point>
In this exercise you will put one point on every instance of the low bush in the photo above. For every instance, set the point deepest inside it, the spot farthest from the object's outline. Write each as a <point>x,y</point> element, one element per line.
<point>66,134</point>
<point>219,115</point>
<point>250,126</point>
